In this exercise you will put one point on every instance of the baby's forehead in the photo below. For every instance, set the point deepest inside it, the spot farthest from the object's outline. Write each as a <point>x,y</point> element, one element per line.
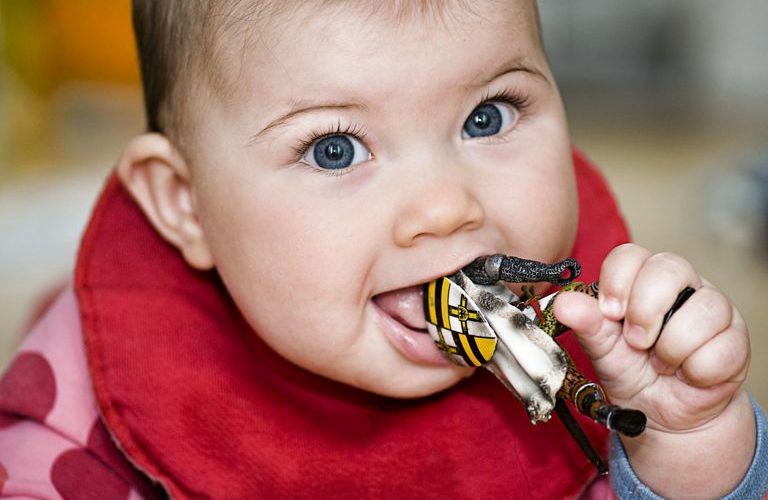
<point>240,16</point>
<point>396,10</point>
<point>263,24</point>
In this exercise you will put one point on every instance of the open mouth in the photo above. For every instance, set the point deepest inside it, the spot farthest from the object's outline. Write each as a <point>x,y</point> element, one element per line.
<point>401,315</point>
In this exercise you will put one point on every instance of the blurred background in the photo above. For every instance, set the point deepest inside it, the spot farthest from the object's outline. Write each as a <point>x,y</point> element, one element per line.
<point>670,99</point>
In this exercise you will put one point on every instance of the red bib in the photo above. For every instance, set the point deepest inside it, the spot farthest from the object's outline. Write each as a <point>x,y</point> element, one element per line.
<point>200,406</point>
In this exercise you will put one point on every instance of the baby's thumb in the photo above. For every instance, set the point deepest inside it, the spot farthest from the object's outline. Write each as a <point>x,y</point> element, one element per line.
<point>581,313</point>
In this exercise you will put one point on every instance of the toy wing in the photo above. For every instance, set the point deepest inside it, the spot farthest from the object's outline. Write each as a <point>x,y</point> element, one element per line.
<point>478,325</point>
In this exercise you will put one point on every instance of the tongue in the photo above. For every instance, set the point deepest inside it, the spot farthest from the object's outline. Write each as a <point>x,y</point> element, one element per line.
<point>405,305</point>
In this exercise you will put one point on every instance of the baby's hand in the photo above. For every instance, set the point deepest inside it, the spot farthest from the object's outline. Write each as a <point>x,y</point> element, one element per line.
<point>682,378</point>
<point>687,378</point>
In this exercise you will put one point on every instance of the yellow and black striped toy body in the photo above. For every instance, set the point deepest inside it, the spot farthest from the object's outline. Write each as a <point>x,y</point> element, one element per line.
<point>457,325</point>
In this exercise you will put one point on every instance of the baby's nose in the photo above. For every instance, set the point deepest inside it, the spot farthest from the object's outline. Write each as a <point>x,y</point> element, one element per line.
<point>438,205</point>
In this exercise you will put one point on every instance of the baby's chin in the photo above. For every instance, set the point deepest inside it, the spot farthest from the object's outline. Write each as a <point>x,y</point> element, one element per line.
<point>417,381</point>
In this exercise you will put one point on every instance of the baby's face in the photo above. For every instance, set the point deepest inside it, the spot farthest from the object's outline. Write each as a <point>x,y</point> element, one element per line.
<point>363,156</point>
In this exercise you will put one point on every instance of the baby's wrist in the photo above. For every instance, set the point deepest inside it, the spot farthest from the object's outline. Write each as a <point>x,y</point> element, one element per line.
<point>708,461</point>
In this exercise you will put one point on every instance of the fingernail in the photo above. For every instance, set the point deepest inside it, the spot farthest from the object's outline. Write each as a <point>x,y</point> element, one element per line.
<point>612,308</point>
<point>636,335</point>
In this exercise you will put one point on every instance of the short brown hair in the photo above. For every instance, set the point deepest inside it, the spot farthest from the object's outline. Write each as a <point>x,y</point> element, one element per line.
<point>176,46</point>
<point>181,48</point>
<point>167,33</point>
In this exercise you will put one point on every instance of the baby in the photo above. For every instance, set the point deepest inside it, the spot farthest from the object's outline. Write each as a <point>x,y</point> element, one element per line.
<point>314,164</point>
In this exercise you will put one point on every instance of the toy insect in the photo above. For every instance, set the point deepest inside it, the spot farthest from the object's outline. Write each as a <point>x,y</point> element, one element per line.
<point>477,321</point>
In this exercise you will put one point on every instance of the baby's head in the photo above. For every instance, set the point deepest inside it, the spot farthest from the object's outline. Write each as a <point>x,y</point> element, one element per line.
<point>328,158</point>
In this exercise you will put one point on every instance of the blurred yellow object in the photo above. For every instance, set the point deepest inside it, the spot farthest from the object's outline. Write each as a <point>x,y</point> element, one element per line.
<point>51,42</point>
<point>46,45</point>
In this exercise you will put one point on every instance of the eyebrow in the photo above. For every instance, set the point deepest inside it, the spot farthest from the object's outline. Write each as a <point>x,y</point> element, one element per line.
<point>513,67</point>
<point>300,109</point>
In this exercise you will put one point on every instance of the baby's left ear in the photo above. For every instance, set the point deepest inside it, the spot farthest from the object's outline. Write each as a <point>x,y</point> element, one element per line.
<point>156,174</point>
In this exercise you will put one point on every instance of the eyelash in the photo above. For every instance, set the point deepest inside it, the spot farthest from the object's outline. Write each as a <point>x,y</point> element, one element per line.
<point>300,150</point>
<point>519,101</point>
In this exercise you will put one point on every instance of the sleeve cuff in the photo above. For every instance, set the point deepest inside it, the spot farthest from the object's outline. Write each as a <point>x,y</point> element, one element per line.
<point>754,485</point>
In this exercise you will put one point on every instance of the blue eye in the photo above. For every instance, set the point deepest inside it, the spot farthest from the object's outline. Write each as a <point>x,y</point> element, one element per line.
<point>336,152</point>
<point>489,118</point>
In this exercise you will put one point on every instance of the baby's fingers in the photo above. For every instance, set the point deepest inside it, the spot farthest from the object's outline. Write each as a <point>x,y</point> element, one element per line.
<point>725,358</point>
<point>707,313</point>
<point>582,314</point>
<point>655,290</point>
<point>617,275</point>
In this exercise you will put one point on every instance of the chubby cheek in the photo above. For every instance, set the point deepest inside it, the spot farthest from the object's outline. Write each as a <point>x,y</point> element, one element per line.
<point>535,204</point>
<point>560,207</point>
<point>556,216</point>
<point>289,268</point>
